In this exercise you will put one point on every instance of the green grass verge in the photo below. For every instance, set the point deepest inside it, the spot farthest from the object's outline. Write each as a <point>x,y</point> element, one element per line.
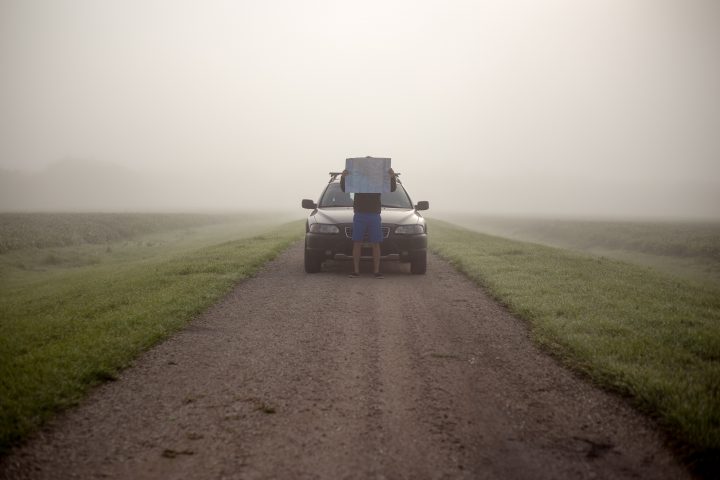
<point>644,334</point>
<point>42,230</point>
<point>687,249</point>
<point>66,329</point>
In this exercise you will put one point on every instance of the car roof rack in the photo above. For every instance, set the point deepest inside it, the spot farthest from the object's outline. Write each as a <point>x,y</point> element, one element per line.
<point>335,175</point>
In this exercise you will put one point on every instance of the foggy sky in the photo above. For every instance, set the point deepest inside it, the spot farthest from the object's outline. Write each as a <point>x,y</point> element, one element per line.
<point>583,107</point>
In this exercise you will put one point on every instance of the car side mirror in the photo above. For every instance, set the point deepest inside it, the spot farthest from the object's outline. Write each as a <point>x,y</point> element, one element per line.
<point>309,204</point>
<point>422,205</point>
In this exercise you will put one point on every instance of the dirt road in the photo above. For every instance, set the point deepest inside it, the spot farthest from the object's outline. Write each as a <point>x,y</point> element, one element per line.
<point>321,376</point>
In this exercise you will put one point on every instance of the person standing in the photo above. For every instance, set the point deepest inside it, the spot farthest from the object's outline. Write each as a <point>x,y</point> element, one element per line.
<point>366,219</point>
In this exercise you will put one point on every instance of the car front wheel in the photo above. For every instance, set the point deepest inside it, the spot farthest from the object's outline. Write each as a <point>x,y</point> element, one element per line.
<point>313,263</point>
<point>418,263</point>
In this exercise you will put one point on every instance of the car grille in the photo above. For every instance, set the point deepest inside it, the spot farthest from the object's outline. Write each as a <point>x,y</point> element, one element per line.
<point>385,232</point>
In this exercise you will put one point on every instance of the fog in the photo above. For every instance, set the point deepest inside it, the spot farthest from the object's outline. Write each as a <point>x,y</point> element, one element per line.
<point>542,107</point>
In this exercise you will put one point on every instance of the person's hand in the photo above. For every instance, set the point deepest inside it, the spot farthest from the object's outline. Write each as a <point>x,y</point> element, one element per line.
<point>345,173</point>
<point>391,172</point>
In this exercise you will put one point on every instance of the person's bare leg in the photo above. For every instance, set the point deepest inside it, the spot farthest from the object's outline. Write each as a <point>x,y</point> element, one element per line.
<point>357,246</point>
<point>376,257</point>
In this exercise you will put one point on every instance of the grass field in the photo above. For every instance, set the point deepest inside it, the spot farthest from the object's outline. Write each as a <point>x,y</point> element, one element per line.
<point>687,249</point>
<point>632,329</point>
<point>73,315</point>
<point>20,231</point>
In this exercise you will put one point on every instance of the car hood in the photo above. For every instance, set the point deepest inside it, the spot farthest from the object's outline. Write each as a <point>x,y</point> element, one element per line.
<point>396,216</point>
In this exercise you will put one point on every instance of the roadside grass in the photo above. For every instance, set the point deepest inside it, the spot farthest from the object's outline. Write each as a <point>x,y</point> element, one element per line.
<point>29,263</point>
<point>43,230</point>
<point>69,325</point>
<point>631,329</point>
<point>690,249</point>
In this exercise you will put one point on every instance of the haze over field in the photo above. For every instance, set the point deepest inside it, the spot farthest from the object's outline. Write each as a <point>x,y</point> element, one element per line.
<point>554,107</point>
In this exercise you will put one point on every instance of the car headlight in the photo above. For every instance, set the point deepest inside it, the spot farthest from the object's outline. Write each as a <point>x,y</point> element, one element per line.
<point>324,228</point>
<point>410,229</point>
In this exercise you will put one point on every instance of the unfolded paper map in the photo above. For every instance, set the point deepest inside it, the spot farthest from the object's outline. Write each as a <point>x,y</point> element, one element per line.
<point>367,175</point>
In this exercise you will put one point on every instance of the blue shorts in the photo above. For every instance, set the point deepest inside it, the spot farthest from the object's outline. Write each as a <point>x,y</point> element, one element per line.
<point>367,223</point>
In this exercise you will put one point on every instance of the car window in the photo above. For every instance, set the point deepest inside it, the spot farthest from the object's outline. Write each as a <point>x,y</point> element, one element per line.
<point>397,199</point>
<point>334,197</point>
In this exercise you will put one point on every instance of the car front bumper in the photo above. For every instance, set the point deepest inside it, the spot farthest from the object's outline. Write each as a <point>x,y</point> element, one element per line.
<point>339,246</point>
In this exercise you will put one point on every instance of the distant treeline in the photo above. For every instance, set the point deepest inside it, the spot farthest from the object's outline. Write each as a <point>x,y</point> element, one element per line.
<point>43,230</point>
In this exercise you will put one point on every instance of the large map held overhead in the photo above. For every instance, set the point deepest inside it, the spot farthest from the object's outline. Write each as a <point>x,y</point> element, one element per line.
<point>367,175</point>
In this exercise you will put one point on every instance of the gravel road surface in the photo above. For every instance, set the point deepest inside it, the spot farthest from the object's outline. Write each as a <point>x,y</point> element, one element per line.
<point>296,376</point>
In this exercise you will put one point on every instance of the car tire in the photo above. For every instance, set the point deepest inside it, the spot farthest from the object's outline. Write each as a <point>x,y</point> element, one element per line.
<point>418,263</point>
<point>313,263</point>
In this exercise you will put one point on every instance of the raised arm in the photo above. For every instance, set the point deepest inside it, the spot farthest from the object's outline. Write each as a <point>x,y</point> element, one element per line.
<point>342,179</point>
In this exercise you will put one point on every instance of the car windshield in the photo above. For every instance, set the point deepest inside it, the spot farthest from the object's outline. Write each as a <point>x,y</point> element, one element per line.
<point>334,197</point>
